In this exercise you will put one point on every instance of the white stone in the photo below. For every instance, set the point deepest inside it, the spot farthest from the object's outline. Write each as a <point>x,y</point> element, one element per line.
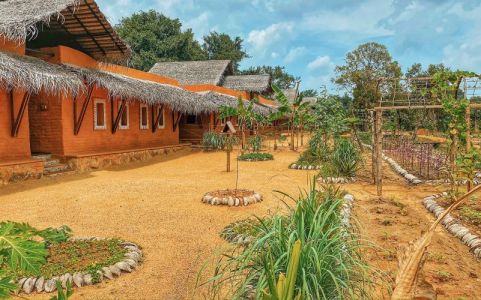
<point>133,255</point>
<point>124,266</point>
<point>29,285</point>
<point>131,263</point>
<point>88,280</point>
<point>236,201</point>
<point>230,201</point>
<point>107,273</point>
<point>66,278</point>
<point>39,284</point>
<point>78,279</point>
<point>50,285</point>
<point>115,270</point>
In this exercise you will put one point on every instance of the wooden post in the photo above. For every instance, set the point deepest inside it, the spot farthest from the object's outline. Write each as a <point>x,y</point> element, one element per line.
<point>379,152</point>
<point>468,137</point>
<point>373,143</point>
<point>228,160</point>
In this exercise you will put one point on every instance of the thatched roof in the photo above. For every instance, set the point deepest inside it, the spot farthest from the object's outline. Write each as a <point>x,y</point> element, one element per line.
<point>219,100</point>
<point>78,24</point>
<point>35,75</point>
<point>194,72</point>
<point>248,83</point>
<point>291,94</point>
<point>146,91</point>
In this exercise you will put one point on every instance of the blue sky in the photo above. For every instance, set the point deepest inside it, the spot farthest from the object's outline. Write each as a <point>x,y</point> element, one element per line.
<point>311,37</point>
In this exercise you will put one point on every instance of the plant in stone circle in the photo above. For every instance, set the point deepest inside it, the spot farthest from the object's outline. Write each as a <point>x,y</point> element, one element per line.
<point>24,249</point>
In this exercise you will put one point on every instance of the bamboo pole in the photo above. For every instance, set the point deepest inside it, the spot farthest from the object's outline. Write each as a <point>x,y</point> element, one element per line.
<point>373,151</point>
<point>379,153</point>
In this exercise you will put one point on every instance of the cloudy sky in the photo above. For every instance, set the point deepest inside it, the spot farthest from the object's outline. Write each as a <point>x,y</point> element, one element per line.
<point>310,37</point>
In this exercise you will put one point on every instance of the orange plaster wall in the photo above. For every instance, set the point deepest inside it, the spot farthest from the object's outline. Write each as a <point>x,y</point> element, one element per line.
<point>91,140</point>
<point>12,46</point>
<point>13,148</point>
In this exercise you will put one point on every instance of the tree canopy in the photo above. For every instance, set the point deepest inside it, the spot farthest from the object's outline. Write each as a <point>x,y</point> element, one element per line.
<point>222,46</point>
<point>154,37</point>
<point>363,66</point>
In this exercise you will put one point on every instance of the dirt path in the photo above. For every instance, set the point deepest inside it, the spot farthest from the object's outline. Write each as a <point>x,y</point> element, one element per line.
<point>157,205</point>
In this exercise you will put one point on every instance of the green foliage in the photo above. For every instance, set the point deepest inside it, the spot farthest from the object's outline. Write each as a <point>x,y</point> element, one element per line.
<point>285,286</point>
<point>256,156</point>
<point>221,46</point>
<point>154,37</point>
<point>61,294</point>
<point>213,141</point>
<point>328,116</point>
<point>255,143</point>
<point>468,164</point>
<point>365,137</point>
<point>363,67</point>
<point>279,75</point>
<point>471,214</point>
<point>345,158</point>
<point>23,249</point>
<point>330,266</point>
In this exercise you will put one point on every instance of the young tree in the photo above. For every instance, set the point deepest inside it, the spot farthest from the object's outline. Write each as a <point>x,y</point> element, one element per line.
<point>361,71</point>
<point>154,37</point>
<point>222,46</point>
<point>279,75</point>
<point>245,114</point>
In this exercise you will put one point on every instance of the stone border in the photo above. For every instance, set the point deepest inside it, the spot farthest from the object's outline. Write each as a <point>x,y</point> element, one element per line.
<point>131,261</point>
<point>232,201</point>
<point>411,178</point>
<point>452,225</point>
<point>336,180</point>
<point>295,166</point>
<point>265,159</point>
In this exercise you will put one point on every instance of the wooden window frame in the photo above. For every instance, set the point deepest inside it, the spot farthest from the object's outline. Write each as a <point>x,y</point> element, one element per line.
<point>161,109</point>
<point>146,126</point>
<point>104,103</point>
<point>127,112</point>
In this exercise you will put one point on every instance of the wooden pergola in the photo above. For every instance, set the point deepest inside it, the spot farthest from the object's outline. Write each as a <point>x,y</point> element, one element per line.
<point>412,94</point>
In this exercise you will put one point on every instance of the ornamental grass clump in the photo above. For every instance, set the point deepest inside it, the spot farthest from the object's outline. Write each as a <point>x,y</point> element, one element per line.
<point>330,265</point>
<point>345,158</point>
<point>213,141</point>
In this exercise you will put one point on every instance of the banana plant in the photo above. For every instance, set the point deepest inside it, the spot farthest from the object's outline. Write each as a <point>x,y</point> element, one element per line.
<point>286,284</point>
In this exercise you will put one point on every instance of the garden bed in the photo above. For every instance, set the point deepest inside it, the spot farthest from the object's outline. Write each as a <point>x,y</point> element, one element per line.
<point>82,261</point>
<point>232,197</point>
<point>256,156</point>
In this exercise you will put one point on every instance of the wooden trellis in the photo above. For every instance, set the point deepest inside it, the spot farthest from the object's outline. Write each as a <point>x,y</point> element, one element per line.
<point>408,94</point>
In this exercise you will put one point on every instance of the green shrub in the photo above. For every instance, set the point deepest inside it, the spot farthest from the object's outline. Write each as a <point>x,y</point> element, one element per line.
<point>330,265</point>
<point>213,141</point>
<point>255,143</point>
<point>345,158</point>
<point>365,137</point>
<point>256,156</point>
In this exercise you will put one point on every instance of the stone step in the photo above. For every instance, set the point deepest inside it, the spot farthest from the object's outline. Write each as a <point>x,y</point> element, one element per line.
<point>51,162</point>
<point>55,168</point>
<point>42,156</point>
<point>62,173</point>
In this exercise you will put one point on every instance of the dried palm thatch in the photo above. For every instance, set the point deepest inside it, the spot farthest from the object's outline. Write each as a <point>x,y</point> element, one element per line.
<point>19,18</point>
<point>194,72</point>
<point>146,91</point>
<point>409,275</point>
<point>219,100</point>
<point>248,83</point>
<point>35,75</point>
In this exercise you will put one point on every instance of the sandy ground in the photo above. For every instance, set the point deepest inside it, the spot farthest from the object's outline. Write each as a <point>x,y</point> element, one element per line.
<point>157,204</point>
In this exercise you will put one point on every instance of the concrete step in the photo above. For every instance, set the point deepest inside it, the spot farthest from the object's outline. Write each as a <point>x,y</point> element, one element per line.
<point>42,156</point>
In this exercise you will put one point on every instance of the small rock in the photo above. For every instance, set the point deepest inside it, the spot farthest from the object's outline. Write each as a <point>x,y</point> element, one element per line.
<point>124,266</point>
<point>236,201</point>
<point>29,285</point>
<point>22,281</point>
<point>230,201</point>
<point>115,270</point>
<point>39,284</point>
<point>132,263</point>
<point>78,279</point>
<point>107,273</point>
<point>50,285</point>
<point>66,278</point>
<point>88,280</point>
<point>133,255</point>
<point>101,275</point>
<point>246,200</point>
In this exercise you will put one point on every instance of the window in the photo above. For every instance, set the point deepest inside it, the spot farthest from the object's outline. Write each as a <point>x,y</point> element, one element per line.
<point>99,114</point>
<point>191,119</point>
<point>124,119</point>
<point>160,112</point>
<point>144,116</point>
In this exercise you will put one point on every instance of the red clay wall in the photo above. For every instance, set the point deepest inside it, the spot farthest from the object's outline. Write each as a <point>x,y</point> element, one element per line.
<point>13,148</point>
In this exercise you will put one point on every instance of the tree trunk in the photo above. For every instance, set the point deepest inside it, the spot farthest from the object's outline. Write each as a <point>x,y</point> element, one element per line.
<point>228,160</point>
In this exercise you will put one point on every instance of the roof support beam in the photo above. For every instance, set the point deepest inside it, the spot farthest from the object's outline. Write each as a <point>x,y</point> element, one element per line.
<point>116,123</point>
<point>78,121</point>
<point>86,30</point>
<point>17,118</point>
<point>156,120</point>
<point>176,121</point>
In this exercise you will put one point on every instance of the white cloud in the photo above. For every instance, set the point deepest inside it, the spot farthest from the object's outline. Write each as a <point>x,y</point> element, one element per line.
<point>263,39</point>
<point>319,63</point>
<point>200,24</point>
<point>294,54</point>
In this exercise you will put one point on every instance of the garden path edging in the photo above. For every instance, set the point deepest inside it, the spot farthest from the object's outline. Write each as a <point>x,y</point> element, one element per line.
<point>131,261</point>
<point>452,225</point>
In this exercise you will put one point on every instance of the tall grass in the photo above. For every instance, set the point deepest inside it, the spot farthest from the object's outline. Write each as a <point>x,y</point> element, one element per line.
<point>330,265</point>
<point>213,141</point>
<point>345,158</point>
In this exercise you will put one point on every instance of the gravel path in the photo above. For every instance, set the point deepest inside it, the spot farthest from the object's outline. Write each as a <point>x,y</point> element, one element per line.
<point>157,205</point>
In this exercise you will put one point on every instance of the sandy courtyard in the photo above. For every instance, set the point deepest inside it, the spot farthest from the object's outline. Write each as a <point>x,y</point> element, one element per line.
<point>157,205</point>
